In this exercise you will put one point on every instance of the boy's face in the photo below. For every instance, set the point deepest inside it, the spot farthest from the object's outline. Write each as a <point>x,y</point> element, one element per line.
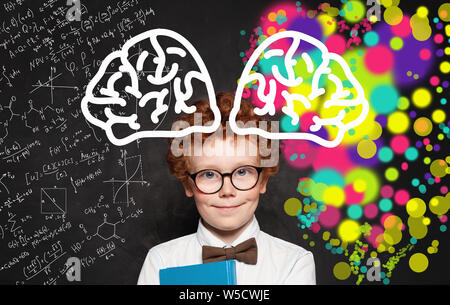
<point>228,209</point>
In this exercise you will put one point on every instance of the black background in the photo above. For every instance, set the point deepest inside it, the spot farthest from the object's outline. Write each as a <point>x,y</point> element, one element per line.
<point>213,27</point>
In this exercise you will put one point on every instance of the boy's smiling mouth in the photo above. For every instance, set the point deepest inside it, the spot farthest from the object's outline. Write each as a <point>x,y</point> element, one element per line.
<point>227,207</point>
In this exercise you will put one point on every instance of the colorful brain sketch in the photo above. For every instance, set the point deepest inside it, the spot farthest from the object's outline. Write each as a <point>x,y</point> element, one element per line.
<point>285,49</point>
<point>159,78</point>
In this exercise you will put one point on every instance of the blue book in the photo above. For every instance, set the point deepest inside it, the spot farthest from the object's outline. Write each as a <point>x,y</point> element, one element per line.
<point>217,273</point>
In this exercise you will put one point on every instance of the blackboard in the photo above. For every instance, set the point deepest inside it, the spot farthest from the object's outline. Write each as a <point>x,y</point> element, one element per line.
<point>67,191</point>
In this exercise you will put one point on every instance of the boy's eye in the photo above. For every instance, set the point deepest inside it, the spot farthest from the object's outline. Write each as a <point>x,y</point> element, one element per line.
<point>241,172</point>
<point>208,174</point>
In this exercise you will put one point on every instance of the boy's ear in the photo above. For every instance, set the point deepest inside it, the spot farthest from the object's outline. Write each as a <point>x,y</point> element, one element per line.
<point>187,188</point>
<point>263,185</point>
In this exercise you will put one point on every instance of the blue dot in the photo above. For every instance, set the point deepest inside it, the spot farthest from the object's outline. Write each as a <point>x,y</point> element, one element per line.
<point>443,228</point>
<point>363,269</point>
<point>411,153</point>
<point>242,32</point>
<point>443,101</point>
<point>415,182</point>
<point>384,99</point>
<point>328,246</point>
<point>413,241</point>
<point>385,154</point>
<point>422,189</point>
<point>306,200</point>
<point>371,39</point>
<point>385,204</point>
<point>382,275</point>
<point>339,250</point>
<point>286,124</point>
<point>354,211</point>
<point>386,281</point>
<point>430,181</point>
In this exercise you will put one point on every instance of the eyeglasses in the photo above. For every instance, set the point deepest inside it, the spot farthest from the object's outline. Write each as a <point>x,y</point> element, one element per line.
<point>210,181</point>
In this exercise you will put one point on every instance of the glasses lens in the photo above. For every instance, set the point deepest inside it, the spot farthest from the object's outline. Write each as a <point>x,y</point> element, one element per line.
<point>245,177</point>
<point>208,181</point>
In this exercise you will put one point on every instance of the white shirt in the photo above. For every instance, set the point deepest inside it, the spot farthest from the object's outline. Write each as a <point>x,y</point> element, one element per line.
<point>279,262</point>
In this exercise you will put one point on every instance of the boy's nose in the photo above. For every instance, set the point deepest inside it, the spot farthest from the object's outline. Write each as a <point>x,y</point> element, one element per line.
<point>227,188</point>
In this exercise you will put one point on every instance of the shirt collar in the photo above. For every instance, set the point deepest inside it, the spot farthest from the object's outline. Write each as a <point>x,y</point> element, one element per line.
<point>207,238</point>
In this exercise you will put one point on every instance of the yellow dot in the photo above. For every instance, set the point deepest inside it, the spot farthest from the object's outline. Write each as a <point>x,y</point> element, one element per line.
<point>359,185</point>
<point>348,230</point>
<point>438,116</point>
<point>416,207</point>
<point>271,30</point>
<point>422,12</point>
<point>418,262</point>
<point>445,67</point>
<point>435,243</point>
<point>342,271</point>
<point>367,149</point>
<point>272,16</point>
<point>398,122</point>
<point>426,221</point>
<point>292,206</point>
<point>334,195</point>
<point>447,51</point>
<point>421,97</point>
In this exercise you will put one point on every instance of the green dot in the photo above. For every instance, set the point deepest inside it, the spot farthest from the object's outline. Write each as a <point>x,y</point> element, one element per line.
<point>391,174</point>
<point>403,103</point>
<point>396,43</point>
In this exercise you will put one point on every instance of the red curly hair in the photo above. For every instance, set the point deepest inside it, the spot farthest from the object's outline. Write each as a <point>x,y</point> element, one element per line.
<point>179,165</point>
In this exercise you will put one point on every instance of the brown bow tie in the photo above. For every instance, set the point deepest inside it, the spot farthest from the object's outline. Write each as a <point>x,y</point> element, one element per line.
<point>246,252</point>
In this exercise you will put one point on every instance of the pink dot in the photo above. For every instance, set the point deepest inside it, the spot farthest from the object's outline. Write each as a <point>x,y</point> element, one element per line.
<point>307,121</point>
<point>424,54</point>
<point>399,144</point>
<point>434,81</point>
<point>403,29</point>
<point>404,166</point>
<point>401,197</point>
<point>378,59</point>
<point>330,217</point>
<point>315,227</point>
<point>443,218</point>
<point>336,44</point>
<point>426,141</point>
<point>444,190</point>
<point>371,210</point>
<point>351,196</point>
<point>375,236</point>
<point>437,179</point>
<point>438,38</point>
<point>386,191</point>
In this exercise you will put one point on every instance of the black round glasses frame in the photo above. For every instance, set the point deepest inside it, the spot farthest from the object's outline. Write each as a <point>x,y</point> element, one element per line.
<point>194,176</point>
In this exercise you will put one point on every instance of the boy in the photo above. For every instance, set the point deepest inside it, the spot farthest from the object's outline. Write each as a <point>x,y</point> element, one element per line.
<point>226,190</point>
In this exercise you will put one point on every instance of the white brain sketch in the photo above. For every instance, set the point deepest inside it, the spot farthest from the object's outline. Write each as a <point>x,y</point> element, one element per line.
<point>167,72</point>
<point>339,98</point>
<point>161,78</point>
